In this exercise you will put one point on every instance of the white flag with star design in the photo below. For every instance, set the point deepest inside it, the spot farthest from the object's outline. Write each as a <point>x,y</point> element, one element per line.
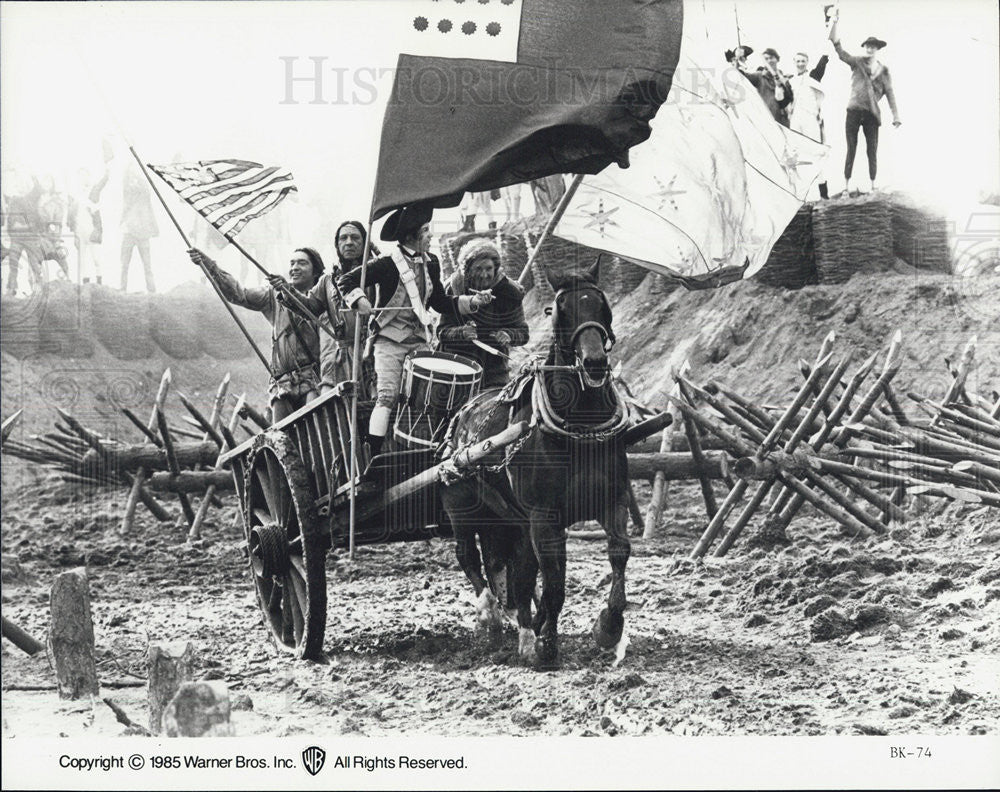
<point>712,189</point>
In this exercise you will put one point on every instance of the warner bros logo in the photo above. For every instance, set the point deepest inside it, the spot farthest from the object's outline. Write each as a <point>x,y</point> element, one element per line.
<point>313,759</point>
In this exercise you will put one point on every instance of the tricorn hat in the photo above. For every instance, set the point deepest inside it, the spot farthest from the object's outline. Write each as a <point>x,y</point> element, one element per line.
<point>403,222</point>
<point>772,51</point>
<point>874,42</point>
<point>731,53</point>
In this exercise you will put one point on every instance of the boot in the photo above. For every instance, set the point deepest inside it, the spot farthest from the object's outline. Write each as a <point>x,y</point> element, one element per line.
<point>824,191</point>
<point>375,443</point>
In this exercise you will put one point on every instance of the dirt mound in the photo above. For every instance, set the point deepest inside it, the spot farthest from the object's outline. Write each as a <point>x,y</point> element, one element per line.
<point>174,326</point>
<point>751,335</point>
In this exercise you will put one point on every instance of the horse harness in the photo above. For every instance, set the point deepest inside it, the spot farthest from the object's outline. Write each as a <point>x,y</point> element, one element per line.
<point>543,416</point>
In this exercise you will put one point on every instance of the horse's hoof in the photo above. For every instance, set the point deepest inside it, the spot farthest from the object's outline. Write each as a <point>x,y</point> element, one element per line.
<point>546,652</point>
<point>607,630</point>
<point>489,617</point>
<point>526,646</point>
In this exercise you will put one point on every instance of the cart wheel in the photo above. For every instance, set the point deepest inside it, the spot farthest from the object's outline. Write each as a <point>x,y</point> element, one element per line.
<point>286,547</point>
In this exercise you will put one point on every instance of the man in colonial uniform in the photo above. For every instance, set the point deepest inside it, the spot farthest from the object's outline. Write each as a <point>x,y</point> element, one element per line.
<point>408,280</point>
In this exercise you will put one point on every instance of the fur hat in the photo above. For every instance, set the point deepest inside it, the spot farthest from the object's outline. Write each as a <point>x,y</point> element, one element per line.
<point>474,249</point>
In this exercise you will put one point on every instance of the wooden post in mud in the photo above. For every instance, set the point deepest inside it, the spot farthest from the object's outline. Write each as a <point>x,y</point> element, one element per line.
<point>169,666</point>
<point>71,636</point>
<point>175,468</point>
<point>128,520</point>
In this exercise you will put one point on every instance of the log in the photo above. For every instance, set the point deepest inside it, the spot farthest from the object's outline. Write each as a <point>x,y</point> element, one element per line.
<point>647,428</point>
<point>71,636</point>
<point>21,639</point>
<point>150,457</point>
<point>200,709</point>
<point>675,466</point>
<point>678,442</point>
<point>192,481</point>
<point>169,665</point>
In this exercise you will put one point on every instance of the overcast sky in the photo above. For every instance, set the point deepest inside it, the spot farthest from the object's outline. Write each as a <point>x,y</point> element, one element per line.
<point>196,80</point>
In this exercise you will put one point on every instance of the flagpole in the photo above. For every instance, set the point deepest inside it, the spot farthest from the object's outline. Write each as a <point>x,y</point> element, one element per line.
<point>211,280</point>
<point>356,370</point>
<point>560,210</point>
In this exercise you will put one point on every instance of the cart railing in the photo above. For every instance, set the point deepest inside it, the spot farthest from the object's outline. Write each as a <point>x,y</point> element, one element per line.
<point>321,432</point>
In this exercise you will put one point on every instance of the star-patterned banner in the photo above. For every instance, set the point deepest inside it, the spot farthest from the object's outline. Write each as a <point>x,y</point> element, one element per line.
<point>711,190</point>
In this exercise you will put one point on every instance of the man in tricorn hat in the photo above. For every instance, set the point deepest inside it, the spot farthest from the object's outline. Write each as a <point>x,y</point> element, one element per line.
<point>409,278</point>
<point>870,81</point>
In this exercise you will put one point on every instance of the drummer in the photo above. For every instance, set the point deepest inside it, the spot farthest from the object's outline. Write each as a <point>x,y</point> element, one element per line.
<point>496,327</point>
<point>407,281</point>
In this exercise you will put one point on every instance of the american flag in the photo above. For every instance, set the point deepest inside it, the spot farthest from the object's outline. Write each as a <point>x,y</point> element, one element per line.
<point>229,193</point>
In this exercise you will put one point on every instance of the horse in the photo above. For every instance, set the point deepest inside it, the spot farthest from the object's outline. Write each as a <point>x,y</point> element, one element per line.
<point>570,467</point>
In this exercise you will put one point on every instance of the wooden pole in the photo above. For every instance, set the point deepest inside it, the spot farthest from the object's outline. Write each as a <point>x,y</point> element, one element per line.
<point>356,371</point>
<point>560,210</point>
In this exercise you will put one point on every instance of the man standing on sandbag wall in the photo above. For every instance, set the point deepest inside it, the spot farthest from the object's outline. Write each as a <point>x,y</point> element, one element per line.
<point>870,81</point>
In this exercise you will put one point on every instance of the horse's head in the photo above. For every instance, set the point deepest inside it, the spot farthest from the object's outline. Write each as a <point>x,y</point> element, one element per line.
<point>581,324</point>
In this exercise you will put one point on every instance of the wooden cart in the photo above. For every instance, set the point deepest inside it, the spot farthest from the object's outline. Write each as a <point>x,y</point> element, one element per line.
<point>293,481</point>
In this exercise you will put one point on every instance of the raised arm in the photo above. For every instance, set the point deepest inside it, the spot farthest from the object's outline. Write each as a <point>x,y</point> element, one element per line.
<point>255,299</point>
<point>845,56</point>
<point>819,69</point>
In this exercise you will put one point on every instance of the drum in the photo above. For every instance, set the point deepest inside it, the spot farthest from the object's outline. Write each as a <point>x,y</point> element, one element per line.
<point>439,381</point>
<point>435,385</point>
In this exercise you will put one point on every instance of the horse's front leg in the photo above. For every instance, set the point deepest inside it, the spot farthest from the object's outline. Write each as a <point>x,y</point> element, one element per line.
<point>610,623</point>
<point>524,578</point>
<point>548,538</point>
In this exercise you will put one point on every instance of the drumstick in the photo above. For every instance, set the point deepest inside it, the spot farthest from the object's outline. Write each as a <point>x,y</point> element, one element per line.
<point>488,348</point>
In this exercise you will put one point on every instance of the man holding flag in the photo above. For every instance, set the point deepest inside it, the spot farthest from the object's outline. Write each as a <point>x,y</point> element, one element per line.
<point>294,341</point>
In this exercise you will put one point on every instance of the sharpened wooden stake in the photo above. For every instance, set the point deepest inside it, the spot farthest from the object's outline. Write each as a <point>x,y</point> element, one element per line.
<point>175,468</point>
<point>128,520</point>
<point>199,518</point>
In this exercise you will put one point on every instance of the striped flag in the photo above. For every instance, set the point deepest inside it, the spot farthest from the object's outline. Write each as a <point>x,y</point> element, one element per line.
<point>229,193</point>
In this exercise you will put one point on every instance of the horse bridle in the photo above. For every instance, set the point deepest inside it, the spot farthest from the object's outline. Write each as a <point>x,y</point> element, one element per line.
<point>569,348</point>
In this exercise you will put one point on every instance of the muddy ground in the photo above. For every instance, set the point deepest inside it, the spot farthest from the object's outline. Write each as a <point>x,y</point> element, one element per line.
<point>895,635</point>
